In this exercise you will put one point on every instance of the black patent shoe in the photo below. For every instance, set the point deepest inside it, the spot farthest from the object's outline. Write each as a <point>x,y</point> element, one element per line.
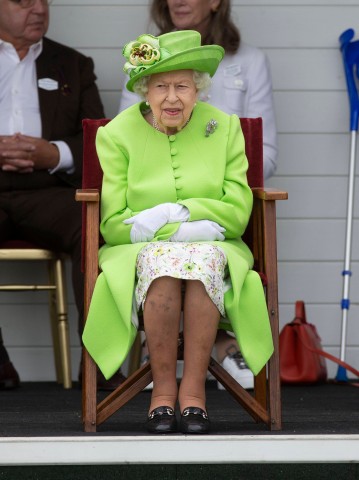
<point>194,420</point>
<point>162,420</point>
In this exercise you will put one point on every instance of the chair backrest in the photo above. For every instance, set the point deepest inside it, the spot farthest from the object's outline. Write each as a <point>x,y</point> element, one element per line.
<point>251,127</point>
<point>91,173</point>
<point>253,136</point>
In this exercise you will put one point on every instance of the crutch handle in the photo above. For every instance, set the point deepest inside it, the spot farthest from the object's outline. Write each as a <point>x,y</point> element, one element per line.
<point>350,52</point>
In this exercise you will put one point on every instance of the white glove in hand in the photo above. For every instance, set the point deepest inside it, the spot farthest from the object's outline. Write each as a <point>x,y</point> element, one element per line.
<point>148,222</point>
<point>200,230</point>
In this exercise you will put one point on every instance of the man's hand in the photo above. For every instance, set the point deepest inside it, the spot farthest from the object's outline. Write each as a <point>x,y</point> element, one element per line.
<point>23,154</point>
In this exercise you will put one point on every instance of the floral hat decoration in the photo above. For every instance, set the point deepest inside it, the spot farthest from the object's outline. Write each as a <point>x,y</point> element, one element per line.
<point>179,50</point>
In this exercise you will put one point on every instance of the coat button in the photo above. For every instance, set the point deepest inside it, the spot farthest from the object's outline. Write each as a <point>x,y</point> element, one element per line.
<point>172,138</point>
<point>174,151</point>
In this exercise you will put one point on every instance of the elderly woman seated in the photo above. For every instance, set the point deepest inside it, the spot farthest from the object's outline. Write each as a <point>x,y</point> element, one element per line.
<point>175,202</point>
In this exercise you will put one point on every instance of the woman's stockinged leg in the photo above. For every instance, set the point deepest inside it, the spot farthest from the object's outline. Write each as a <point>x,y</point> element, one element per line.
<point>201,318</point>
<point>162,313</point>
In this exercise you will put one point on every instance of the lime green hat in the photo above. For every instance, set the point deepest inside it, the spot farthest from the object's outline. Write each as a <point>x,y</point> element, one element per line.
<point>179,50</point>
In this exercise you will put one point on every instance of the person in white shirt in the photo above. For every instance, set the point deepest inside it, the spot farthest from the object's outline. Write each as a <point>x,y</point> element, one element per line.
<point>241,85</point>
<point>46,89</point>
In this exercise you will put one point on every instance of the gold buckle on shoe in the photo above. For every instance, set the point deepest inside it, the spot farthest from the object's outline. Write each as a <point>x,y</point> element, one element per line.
<point>194,411</point>
<point>156,411</point>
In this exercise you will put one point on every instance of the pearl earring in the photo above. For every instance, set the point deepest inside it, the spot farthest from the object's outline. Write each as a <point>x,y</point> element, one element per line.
<point>147,103</point>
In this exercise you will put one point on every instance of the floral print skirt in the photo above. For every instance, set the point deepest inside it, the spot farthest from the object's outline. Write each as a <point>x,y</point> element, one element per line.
<point>188,261</point>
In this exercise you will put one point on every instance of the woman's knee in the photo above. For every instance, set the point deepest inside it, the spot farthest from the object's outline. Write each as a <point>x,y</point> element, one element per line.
<point>197,299</point>
<point>164,294</point>
<point>195,292</point>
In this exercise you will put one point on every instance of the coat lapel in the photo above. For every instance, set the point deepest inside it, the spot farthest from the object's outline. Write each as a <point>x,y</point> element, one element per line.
<point>46,67</point>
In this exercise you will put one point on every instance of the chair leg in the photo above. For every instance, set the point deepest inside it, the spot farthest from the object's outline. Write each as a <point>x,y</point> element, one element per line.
<point>250,404</point>
<point>260,387</point>
<point>275,402</point>
<point>63,326</point>
<point>54,321</point>
<point>124,393</point>
<point>274,386</point>
<point>274,391</point>
<point>89,392</point>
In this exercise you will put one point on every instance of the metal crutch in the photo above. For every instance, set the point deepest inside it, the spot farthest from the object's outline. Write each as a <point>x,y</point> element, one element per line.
<point>350,52</point>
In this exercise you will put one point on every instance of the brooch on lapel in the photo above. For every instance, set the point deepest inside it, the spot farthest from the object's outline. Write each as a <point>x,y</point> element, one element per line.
<point>65,88</point>
<point>211,127</point>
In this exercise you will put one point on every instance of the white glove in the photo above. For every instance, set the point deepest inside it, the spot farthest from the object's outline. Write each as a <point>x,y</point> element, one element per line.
<point>148,222</point>
<point>200,230</point>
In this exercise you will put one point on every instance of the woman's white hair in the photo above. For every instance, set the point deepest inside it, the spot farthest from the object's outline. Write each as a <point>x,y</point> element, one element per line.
<point>202,81</point>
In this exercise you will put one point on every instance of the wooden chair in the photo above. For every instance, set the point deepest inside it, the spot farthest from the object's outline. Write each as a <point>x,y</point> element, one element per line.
<point>21,250</point>
<point>265,404</point>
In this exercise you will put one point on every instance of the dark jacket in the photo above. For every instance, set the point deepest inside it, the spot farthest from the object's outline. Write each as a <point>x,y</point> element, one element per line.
<point>77,97</point>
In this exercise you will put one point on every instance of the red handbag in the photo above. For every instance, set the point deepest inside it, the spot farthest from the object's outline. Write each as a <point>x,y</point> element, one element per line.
<point>301,358</point>
<point>299,345</point>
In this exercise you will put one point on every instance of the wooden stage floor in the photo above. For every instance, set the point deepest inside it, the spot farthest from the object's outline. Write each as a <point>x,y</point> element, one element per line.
<point>46,409</point>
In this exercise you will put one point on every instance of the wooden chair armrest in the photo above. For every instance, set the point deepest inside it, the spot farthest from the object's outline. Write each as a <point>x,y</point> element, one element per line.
<point>90,235</point>
<point>87,195</point>
<point>269,194</point>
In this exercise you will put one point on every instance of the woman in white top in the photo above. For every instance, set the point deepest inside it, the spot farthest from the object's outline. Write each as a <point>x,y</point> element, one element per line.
<point>241,85</point>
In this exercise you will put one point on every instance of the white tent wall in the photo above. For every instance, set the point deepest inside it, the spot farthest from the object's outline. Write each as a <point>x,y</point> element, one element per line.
<point>312,110</point>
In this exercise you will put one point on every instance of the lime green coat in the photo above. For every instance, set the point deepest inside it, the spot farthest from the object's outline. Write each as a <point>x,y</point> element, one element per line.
<point>143,168</point>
